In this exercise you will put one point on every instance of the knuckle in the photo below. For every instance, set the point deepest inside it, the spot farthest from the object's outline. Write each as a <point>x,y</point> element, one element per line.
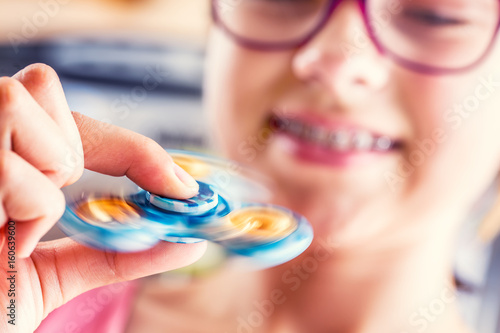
<point>147,145</point>
<point>40,74</point>
<point>149,148</point>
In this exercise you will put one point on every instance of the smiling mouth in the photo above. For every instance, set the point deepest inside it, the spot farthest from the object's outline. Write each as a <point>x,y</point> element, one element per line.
<point>340,140</point>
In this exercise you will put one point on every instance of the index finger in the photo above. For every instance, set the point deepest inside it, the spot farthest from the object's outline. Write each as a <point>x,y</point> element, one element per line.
<point>116,151</point>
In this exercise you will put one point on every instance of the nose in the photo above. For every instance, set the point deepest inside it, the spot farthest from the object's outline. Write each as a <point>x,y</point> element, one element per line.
<point>342,58</point>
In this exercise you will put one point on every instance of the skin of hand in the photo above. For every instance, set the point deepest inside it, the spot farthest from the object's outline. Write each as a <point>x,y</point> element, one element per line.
<point>44,146</point>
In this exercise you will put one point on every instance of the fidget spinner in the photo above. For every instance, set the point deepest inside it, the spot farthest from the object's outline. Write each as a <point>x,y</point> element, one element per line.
<point>227,210</point>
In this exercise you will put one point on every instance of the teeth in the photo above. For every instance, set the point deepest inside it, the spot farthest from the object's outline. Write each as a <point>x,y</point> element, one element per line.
<point>340,140</point>
<point>383,143</point>
<point>362,141</point>
<point>318,135</point>
<point>295,128</point>
<point>307,132</point>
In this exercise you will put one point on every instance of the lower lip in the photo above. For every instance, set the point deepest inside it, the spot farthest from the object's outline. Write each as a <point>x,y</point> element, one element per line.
<point>313,153</point>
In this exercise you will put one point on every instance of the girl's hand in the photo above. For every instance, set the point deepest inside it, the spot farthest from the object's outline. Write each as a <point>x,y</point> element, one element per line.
<point>42,148</point>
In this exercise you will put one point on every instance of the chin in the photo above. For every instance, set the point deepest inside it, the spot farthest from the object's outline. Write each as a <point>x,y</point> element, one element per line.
<point>338,202</point>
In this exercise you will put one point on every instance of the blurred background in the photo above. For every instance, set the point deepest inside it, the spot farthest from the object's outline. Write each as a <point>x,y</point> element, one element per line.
<point>139,64</point>
<point>130,62</point>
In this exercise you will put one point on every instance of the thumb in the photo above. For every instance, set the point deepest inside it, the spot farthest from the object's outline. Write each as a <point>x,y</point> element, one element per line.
<point>66,269</point>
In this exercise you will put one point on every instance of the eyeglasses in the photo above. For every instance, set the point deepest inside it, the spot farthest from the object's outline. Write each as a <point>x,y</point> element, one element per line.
<point>429,36</point>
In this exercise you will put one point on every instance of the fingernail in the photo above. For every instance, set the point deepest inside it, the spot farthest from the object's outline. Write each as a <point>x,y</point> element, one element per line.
<point>185,177</point>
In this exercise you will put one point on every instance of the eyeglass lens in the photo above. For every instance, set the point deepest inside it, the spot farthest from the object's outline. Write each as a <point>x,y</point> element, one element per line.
<point>437,33</point>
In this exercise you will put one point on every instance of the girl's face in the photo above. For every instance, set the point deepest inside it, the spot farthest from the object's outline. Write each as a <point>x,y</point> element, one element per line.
<point>319,121</point>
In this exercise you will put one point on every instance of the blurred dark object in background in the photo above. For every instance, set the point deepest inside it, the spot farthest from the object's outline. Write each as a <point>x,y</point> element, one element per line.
<point>150,87</point>
<point>116,61</point>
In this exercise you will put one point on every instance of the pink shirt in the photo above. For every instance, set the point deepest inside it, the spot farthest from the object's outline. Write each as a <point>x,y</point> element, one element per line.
<point>102,310</point>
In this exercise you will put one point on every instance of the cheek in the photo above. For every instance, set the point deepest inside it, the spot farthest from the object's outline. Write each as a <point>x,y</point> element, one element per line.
<point>456,142</point>
<point>238,92</point>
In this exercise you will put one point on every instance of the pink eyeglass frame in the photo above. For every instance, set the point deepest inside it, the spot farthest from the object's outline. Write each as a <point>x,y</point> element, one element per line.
<point>332,5</point>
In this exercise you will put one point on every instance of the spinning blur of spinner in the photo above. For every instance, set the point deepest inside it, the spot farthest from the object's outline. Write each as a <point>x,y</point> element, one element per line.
<point>227,210</point>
